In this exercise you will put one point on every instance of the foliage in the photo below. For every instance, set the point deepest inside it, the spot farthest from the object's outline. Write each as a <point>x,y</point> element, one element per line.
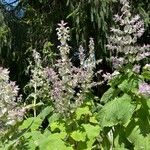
<point>4,35</point>
<point>37,24</point>
<point>60,110</point>
<point>80,131</point>
<point>126,109</point>
<point>126,118</point>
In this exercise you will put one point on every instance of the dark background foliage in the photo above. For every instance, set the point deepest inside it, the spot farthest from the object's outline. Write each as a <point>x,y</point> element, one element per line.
<point>30,25</point>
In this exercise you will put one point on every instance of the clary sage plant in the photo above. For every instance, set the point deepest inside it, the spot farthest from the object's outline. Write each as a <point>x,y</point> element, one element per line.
<point>64,84</point>
<point>123,47</point>
<point>63,113</point>
<point>10,111</point>
<point>124,116</point>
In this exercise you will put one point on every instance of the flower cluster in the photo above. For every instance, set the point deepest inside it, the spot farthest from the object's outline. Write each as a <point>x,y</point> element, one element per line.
<point>63,83</point>
<point>10,112</point>
<point>122,42</point>
<point>70,84</point>
<point>144,89</point>
<point>63,37</point>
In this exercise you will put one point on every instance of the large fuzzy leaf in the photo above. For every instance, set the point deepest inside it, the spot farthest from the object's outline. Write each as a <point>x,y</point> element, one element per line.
<point>117,111</point>
<point>139,141</point>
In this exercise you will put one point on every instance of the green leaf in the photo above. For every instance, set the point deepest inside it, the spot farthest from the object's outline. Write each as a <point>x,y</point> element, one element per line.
<point>117,80</point>
<point>92,132</point>
<point>54,142</point>
<point>35,123</point>
<point>32,138</point>
<point>118,139</point>
<point>78,135</point>
<point>57,125</point>
<point>82,111</point>
<point>140,141</point>
<point>93,120</point>
<point>128,85</point>
<point>109,95</point>
<point>14,141</point>
<point>117,111</point>
<point>54,117</point>
<point>46,111</point>
<point>146,75</point>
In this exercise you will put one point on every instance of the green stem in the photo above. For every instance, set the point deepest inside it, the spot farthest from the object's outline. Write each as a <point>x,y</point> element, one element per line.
<point>34,102</point>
